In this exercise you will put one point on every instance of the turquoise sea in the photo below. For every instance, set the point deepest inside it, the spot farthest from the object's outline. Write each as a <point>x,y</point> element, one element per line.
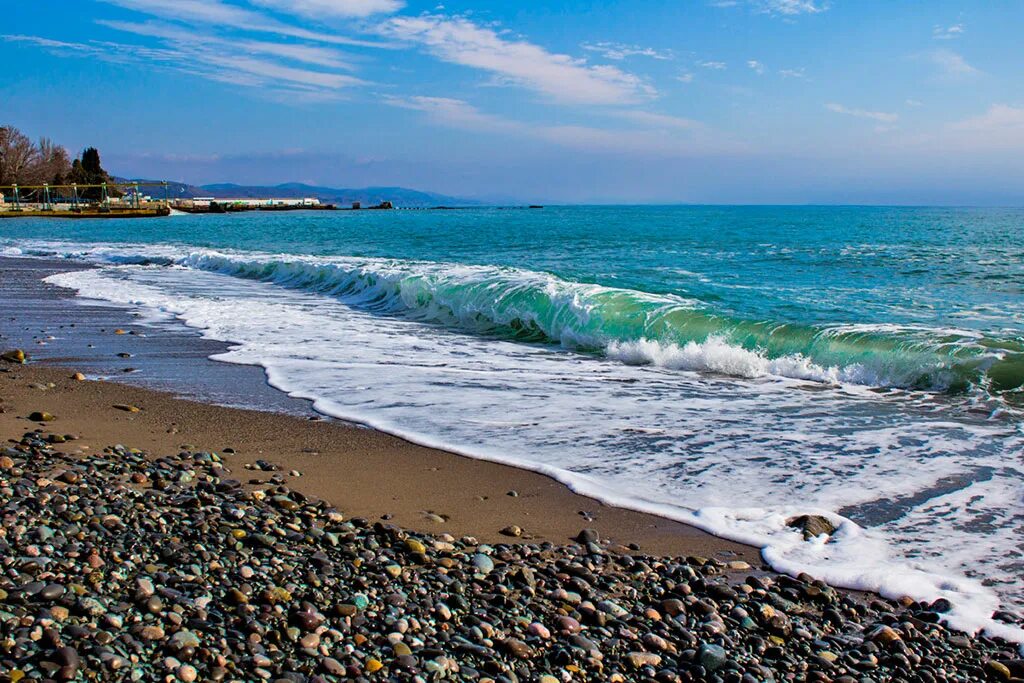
<point>728,366</point>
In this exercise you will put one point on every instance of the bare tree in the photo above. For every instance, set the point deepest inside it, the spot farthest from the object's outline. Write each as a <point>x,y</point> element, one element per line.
<point>54,164</point>
<point>17,156</point>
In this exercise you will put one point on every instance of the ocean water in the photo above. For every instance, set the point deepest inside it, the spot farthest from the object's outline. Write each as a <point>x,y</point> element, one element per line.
<point>729,367</point>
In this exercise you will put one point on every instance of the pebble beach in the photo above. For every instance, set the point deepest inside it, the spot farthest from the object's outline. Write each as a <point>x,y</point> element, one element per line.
<point>122,564</point>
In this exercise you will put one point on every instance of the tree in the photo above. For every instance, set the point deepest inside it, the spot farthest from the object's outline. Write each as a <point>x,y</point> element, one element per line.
<point>91,164</point>
<point>91,170</point>
<point>17,156</point>
<point>54,165</point>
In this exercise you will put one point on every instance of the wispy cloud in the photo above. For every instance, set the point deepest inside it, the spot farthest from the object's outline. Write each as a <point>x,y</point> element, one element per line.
<point>792,73</point>
<point>685,77</point>
<point>621,51</point>
<point>947,32</point>
<point>454,113</point>
<point>663,121</point>
<point>951,64</point>
<point>717,66</point>
<point>1000,128</point>
<point>998,117</point>
<point>792,7</point>
<point>309,54</point>
<point>785,8</point>
<point>560,77</point>
<point>884,117</point>
<point>206,13</point>
<point>911,102</point>
<point>320,9</point>
<point>217,60</point>
<point>658,135</point>
<point>757,66</point>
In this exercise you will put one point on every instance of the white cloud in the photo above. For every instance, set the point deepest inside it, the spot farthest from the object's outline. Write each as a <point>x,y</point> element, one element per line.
<point>998,117</point>
<point>717,66</point>
<point>663,121</point>
<point>456,113</point>
<point>207,13</point>
<point>1000,128</point>
<point>320,9</point>
<point>911,102</point>
<point>793,7</point>
<point>658,137</point>
<point>217,60</point>
<point>792,73</point>
<point>686,77</point>
<point>757,66</point>
<point>308,54</point>
<point>787,8</point>
<point>951,64</point>
<point>460,41</point>
<point>948,32</point>
<point>884,117</point>
<point>620,51</point>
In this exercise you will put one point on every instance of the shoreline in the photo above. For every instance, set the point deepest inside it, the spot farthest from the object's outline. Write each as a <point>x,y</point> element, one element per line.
<point>364,472</point>
<point>170,374</point>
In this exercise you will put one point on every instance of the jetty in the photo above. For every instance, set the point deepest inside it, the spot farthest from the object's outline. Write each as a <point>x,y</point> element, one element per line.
<point>227,205</point>
<point>104,200</point>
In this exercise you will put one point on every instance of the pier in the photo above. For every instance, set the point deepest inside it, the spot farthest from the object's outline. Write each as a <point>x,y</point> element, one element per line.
<point>105,200</point>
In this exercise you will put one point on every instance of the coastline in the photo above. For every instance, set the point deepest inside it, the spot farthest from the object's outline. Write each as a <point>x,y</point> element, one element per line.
<point>434,567</point>
<point>361,470</point>
<point>364,472</point>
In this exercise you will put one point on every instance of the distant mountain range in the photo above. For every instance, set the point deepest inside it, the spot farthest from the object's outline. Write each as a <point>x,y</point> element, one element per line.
<point>368,196</point>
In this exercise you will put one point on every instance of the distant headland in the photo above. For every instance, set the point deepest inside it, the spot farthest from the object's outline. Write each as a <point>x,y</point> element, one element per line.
<point>41,179</point>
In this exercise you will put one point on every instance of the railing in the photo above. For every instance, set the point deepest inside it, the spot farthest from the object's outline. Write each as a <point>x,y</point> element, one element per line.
<point>44,197</point>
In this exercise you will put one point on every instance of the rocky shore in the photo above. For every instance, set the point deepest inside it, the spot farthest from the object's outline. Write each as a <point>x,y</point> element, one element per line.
<point>125,565</point>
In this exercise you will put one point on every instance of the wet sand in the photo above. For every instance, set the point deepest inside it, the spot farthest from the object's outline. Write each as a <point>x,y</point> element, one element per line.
<point>363,472</point>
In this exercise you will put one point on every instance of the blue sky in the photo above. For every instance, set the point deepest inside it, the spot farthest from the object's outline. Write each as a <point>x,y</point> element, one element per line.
<point>731,101</point>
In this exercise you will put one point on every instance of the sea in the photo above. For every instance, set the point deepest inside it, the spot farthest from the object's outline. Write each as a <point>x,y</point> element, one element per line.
<point>729,367</point>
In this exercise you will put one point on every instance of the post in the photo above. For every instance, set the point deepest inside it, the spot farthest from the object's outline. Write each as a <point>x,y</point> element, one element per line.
<point>136,187</point>
<point>46,197</point>
<point>106,198</point>
<point>17,199</point>
<point>74,196</point>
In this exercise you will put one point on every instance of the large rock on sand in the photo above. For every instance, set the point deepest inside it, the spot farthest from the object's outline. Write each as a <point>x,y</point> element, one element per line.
<point>812,526</point>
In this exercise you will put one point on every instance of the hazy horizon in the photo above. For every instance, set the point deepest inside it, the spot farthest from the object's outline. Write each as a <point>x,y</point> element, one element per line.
<point>730,102</point>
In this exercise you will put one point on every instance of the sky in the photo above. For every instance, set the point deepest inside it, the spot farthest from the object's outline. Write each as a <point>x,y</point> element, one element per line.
<point>574,101</point>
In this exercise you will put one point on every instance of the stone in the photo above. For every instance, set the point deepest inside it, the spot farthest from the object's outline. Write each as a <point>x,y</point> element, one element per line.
<point>812,526</point>
<point>588,536</point>
<point>186,673</point>
<point>713,657</point>
<point>512,530</point>
<point>641,659</point>
<point>997,670</point>
<point>41,416</point>
<point>69,661</point>
<point>483,564</point>
<point>14,356</point>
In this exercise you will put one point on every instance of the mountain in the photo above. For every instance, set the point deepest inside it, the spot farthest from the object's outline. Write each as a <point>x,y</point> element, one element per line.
<point>368,196</point>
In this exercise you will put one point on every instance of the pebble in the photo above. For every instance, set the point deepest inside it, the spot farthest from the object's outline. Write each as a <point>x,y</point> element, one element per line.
<point>120,565</point>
